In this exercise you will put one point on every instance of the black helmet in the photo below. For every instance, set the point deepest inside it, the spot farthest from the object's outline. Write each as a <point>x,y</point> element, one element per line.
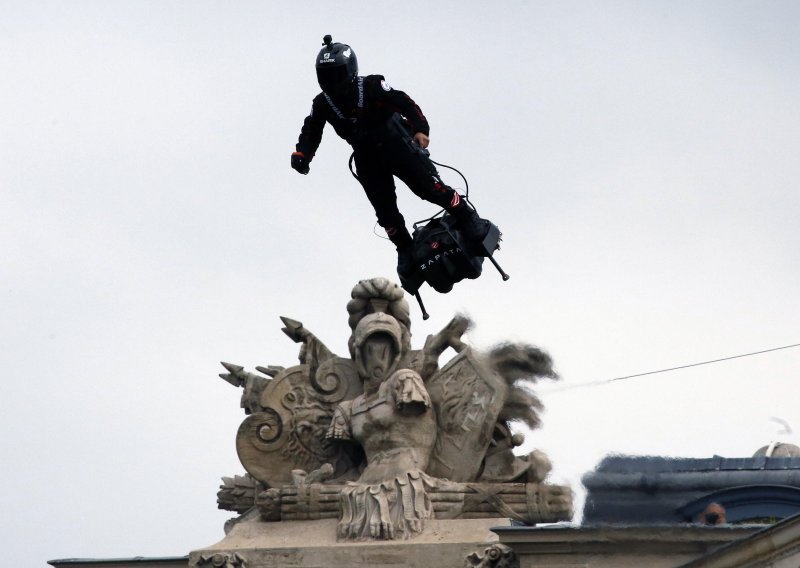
<point>337,67</point>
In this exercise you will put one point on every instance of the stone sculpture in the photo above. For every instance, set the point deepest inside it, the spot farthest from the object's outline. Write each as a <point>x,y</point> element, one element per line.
<point>385,439</point>
<point>494,556</point>
<point>222,561</point>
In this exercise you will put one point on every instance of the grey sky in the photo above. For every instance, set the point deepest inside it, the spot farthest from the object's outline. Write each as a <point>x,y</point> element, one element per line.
<point>640,158</point>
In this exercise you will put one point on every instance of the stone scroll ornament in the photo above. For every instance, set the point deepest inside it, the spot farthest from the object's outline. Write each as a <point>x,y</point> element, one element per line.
<point>494,556</point>
<point>385,439</point>
<point>234,560</point>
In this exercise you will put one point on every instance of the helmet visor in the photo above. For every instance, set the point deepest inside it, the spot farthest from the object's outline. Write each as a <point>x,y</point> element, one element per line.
<point>332,76</point>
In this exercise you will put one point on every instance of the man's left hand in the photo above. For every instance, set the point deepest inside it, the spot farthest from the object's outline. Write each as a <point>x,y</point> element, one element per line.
<point>422,139</point>
<point>300,162</point>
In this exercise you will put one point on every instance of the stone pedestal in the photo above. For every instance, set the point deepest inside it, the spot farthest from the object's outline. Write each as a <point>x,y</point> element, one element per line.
<point>313,544</point>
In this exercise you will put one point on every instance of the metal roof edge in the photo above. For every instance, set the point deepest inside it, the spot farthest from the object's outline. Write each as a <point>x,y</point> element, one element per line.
<point>132,560</point>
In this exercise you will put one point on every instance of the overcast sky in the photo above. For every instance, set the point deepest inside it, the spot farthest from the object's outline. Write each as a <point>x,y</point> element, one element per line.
<point>641,159</point>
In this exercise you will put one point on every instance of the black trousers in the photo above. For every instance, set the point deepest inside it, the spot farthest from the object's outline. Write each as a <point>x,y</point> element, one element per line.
<point>378,165</point>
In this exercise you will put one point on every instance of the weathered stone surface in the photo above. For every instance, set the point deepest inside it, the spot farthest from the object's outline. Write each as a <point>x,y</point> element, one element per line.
<point>313,544</point>
<point>221,560</point>
<point>289,430</point>
<point>238,493</point>
<point>469,399</point>
<point>493,556</point>
<point>529,503</point>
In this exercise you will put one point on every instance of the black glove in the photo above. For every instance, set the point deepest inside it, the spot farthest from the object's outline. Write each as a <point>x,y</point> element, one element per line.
<point>300,162</point>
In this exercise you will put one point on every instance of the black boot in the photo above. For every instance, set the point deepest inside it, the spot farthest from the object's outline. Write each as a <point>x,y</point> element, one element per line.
<point>406,263</point>
<point>467,220</point>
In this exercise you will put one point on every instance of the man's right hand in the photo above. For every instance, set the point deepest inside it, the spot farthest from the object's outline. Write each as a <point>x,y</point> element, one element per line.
<point>300,162</point>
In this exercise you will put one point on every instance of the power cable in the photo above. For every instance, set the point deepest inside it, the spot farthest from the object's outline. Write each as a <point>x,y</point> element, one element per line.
<point>606,381</point>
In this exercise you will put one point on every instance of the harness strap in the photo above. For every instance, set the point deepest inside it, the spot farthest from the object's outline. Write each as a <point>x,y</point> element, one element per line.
<point>335,109</point>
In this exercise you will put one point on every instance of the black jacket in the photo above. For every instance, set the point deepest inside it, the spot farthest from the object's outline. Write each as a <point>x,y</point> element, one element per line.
<point>365,118</point>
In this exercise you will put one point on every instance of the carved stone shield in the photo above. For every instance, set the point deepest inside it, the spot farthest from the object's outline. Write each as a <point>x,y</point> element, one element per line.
<point>290,431</point>
<point>467,397</point>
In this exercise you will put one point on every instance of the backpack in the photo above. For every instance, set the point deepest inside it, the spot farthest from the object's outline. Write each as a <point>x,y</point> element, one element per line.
<point>441,256</point>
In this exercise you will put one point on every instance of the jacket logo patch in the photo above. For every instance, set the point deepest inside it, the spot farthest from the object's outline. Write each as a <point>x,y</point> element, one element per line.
<point>347,53</point>
<point>386,86</point>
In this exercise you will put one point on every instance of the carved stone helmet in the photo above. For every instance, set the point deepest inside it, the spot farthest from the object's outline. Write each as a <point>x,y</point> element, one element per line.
<point>378,295</point>
<point>371,324</point>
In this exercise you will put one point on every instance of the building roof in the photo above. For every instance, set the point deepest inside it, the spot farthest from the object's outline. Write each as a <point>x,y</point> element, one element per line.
<point>647,489</point>
<point>781,540</point>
